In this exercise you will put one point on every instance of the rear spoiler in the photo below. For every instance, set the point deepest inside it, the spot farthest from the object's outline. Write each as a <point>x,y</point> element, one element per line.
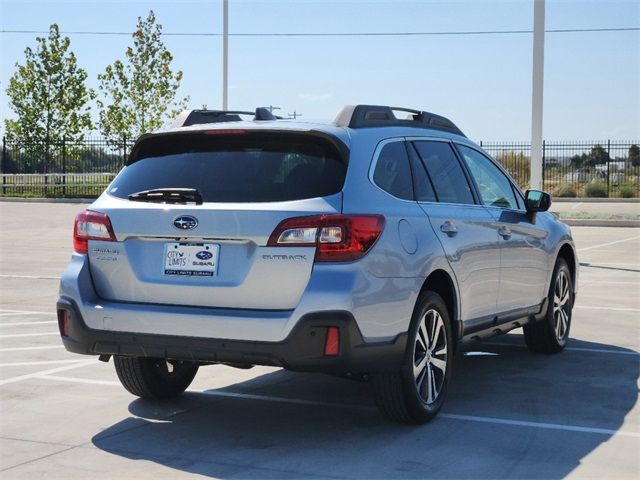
<point>166,141</point>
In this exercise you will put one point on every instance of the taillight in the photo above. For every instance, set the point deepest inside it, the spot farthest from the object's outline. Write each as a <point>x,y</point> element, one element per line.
<point>63,322</point>
<point>337,238</point>
<point>332,342</point>
<point>91,226</point>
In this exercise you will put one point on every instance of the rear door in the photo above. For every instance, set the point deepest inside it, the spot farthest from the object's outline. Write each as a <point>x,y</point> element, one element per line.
<point>215,254</point>
<point>523,257</point>
<point>466,230</point>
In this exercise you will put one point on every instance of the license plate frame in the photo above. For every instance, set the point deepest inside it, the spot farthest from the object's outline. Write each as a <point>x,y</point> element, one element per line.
<point>191,259</point>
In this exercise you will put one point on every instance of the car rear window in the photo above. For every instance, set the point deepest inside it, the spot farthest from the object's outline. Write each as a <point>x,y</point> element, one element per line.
<point>241,167</point>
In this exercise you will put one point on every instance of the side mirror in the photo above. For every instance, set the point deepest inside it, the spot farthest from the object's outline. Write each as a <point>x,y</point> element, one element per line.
<point>537,201</point>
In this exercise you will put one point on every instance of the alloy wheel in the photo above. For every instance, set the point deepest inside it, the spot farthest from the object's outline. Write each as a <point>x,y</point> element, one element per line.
<point>561,306</point>
<point>430,352</point>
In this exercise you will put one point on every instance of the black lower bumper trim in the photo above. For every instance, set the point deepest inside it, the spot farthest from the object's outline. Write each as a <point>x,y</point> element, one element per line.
<point>302,350</point>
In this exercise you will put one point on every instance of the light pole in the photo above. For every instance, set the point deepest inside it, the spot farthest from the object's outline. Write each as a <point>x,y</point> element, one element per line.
<point>225,54</point>
<point>536,95</point>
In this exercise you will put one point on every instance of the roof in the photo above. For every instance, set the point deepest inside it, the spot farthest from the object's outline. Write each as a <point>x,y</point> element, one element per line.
<point>375,120</point>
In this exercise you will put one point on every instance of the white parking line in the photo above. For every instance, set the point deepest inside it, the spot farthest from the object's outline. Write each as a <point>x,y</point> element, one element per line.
<point>39,334</point>
<point>574,349</point>
<point>603,350</point>
<point>4,311</point>
<point>614,309</point>
<point>31,277</point>
<point>25,349</point>
<point>609,243</point>
<point>19,324</point>
<point>43,362</point>
<point>46,372</point>
<point>576,205</point>
<point>88,381</point>
<point>546,426</point>
<point>449,416</point>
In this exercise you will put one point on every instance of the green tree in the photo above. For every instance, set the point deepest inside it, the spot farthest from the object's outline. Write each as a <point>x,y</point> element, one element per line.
<point>50,98</point>
<point>598,156</point>
<point>139,94</point>
<point>578,161</point>
<point>634,155</point>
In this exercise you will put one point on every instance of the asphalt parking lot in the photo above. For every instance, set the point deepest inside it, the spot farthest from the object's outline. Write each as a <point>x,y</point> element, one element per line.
<point>509,414</point>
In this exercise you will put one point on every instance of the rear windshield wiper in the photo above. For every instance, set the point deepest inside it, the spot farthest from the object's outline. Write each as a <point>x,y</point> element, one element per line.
<point>168,195</point>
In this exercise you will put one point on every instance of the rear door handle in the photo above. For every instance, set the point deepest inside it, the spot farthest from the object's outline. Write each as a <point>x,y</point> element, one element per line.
<point>449,228</point>
<point>504,232</point>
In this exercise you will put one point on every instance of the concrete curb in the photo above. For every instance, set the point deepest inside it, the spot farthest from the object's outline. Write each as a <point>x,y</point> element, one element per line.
<point>46,200</point>
<point>584,222</point>
<point>594,200</point>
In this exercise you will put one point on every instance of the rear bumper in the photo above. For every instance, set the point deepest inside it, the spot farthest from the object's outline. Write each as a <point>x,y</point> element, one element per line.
<point>301,350</point>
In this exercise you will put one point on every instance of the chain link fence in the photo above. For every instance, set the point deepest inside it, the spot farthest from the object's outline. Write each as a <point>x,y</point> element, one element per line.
<point>63,168</point>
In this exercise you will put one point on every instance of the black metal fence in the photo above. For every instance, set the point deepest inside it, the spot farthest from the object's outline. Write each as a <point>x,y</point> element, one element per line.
<point>60,168</point>
<point>64,168</point>
<point>609,168</point>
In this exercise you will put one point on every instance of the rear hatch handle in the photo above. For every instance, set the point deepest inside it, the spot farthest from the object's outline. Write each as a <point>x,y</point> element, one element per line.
<point>168,195</point>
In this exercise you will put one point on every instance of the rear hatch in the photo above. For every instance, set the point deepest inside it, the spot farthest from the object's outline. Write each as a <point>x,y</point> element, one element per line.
<point>192,214</point>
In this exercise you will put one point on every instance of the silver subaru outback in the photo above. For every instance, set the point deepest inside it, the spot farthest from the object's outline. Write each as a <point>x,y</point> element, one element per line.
<point>370,247</point>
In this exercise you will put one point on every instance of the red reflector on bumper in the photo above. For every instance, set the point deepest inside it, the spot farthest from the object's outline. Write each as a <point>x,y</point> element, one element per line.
<point>63,322</point>
<point>332,343</point>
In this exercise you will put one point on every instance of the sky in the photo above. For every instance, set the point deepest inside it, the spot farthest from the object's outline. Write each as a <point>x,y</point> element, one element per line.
<point>481,82</point>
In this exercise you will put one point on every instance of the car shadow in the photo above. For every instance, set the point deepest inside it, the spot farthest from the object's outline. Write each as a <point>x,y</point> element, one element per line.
<point>294,425</point>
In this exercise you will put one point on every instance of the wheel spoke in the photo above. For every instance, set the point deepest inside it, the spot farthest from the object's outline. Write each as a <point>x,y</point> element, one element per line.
<point>436,331</point>
<point>433,391</point>
<point>417,369</point>
<point>565,322</point>
<point>565,286</point>
<point>430,396</point>
<point>441,351</point>
<point>423,333</point>
<point>439,364</point>
<point>420,381</point>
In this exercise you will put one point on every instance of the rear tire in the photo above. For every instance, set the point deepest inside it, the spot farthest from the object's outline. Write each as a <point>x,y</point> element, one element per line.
<point>416,393</point>
<point>550,334</point>
<point>154,378</point>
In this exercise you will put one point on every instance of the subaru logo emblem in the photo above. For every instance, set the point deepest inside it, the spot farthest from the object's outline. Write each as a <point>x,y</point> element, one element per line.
<point>185,222</point>
<point>204,255</point>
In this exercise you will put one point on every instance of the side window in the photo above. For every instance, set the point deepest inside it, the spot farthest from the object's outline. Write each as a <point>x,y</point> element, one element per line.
<point>392,173</point>
<point>445,172</point>
<point>422,186</point>
<point>494,187</point>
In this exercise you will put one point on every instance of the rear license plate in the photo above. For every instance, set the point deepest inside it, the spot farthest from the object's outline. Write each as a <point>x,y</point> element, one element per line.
<point>191,260</point>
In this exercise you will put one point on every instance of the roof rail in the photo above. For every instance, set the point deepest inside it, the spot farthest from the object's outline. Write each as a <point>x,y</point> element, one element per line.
<point>367,116</point>
<point>199,117</point>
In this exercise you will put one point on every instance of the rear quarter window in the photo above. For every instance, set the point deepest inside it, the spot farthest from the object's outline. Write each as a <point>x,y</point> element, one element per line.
<point>392,172</point>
